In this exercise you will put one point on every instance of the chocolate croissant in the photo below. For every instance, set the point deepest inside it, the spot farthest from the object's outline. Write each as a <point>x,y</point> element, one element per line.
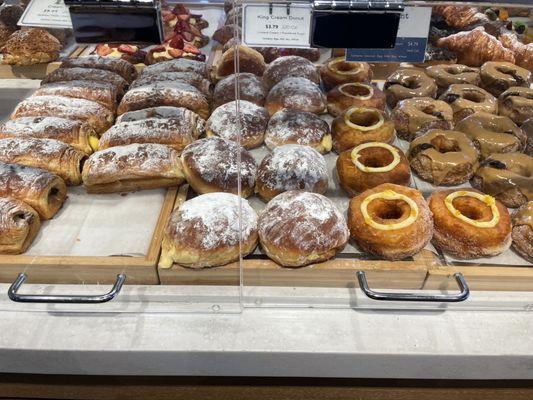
<point>75,133</point>
<point>123,68</point>
<point>52,155</point>
<point>163,112</point>
<point>97,116</point>
<point>177,65</point>
<point>191,78</point>
<point>43,191</point>
<point>132,167</point>
<point>87,74</point>
<point>19,224</point>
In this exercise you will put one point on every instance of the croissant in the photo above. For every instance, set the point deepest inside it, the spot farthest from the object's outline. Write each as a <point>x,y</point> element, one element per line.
<point>523,53</point>
<point>475,47</point>
<point>461,17</point>
<point>19,224</point>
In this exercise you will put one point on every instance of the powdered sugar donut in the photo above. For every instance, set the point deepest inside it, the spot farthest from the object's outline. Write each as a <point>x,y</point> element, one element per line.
<point>298,127</point>
<point>211,165</point>
<point>299,228</point>
<point>254,120</point>
<point>298,94</point>
<point>251,88</point>
<point>205,232</point>
<point>291,167</point>
<point>289,67</point>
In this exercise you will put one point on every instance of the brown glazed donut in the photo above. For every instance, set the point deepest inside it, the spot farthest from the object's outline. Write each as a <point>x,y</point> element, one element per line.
<point>250,89</point>
<point>291,167</point>
<point>506,176</point>
<point>371,164</point>
<point>337,70</point>
<point>298,127</point>
<point>354,94</point>
<point>249,61</point>
<point>517,104</point>
<point>254,120</point>
<point>467,99</point>
<point>298,228</point>
<point>498,76</point>
<point>391,221</point>
<point>297,94</point>
<point>206,232</point>
<point>492,133</point>
<point>211,165</point>
<point>469,224</point>
<point>449,74</point>
<point>408,83</point>
<point>522,233</point>
<point>413,117</point>
<point>443,157</point>
<point>361,125</point>
<point>290,67</point>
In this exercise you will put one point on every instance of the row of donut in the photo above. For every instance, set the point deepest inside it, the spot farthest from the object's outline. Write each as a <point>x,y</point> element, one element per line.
<point>298,228</point>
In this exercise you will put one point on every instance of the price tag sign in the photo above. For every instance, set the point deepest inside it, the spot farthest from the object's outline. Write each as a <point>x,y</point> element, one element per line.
<point>46,14</point>
<point>410,44</point>
<point>276,25</point>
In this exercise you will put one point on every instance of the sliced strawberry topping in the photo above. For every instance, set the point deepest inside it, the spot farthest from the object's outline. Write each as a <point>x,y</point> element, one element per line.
<point>176,42</point>
<point>128,49</point>
<point>176,53</point>
<point>189,48</point>
<point>103,50</point>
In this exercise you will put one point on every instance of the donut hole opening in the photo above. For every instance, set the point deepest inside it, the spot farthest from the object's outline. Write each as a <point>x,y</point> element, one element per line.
<point>474,97</point>
<point>454,70</point>
<point>356,90</point>
<point>444,145</point>
<point>343,66</point>
<point>389,210</point>
<point>431,110</point>
<point>510,72</point>
<point>365,118</point>
<point>373,157</point>
<point>472,208</point>
<point>411,84</point>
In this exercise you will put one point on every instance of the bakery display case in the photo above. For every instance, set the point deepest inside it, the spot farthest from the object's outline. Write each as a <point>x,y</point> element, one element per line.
<point>208,173</point>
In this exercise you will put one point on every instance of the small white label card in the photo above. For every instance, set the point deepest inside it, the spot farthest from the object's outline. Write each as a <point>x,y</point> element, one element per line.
<point>276,25</point>
<point>46,14</point>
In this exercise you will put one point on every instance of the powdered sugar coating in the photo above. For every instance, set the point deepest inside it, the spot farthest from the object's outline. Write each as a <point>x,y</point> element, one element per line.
<point>22,182</point>
<point>304,222</point>
<point>176,65</point>
<point>215,161</point>
<point>86,74</point>
<point>293,167</point>
<point>293,126</point>
<point>254,119</point>
<point>32,126</point>
<point>298,94</point>
<point>211,221</point>
<point>251,89</point>
<point>288,67</point>
<point>12,148</point>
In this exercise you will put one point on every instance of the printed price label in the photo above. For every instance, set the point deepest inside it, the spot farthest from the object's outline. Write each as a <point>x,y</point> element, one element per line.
<point>276,25</point>
<point>46,14</point>
<point>410,44</point>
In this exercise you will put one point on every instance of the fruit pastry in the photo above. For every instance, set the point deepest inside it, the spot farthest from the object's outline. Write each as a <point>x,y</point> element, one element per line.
<point>127,52</point>
<point>175,47</point>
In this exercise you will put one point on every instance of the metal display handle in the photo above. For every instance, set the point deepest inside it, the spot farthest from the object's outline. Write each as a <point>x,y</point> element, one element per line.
<point>62,299</point>
<point>441,298</point>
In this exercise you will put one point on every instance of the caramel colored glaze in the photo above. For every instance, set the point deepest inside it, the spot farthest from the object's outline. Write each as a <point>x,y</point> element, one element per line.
<point>498,76</point>
<point>467,99</point>
<point>501,172</point>
<point>492,133</point>
<point>446,149</point>
<point>408,83</point>
<point>448,74</point>
<point>524,215</point>
<point>516,103</point>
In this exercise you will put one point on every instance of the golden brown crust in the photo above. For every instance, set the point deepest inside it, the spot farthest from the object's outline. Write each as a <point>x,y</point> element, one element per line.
<point>250,60</point>
<point>42,190</point>
<point>463,240</point>
<point>413,117</point>
<point>123,68</point>
<point>516,103</point>
<point>346,136</point>
<point>390,244</point>
<point>55,156</point>
<point>87,74</point>
<point>355,94</point>
<point>461,17</point>
<point>336,71</point>
<point>467,99</point>
<point>31,46</point>
<point>353,180</point>
<point>522,233</point>
<point>408,83</point>
<point>290,67</point>
<point>497,77</point>
<point>19,224</point>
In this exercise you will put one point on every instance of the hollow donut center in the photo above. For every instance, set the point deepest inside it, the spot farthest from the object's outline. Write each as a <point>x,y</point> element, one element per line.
<point>364,118</point>
<point>375,157</point>
<point>344,67</point>
<point>444,145</point>
<point>355,90</point>
<point>473,208</point>
<point>474,97</point>
<point>388,211</point>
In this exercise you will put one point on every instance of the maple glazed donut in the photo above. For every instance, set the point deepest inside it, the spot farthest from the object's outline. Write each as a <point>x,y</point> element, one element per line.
<point>492,133</point>
<point>517,104</point>
<point>354,94</point>
<point>211,165</point>
<point>337,70</point>
<point>469,224</point>
<point>449,74</point>
<point>443,157</point>
<point>506,176</point>
<point>413,117</point>
<point>297,94</point>
<point>467,99</point>
<point>361,125</point>
<point>498,76</point>
<point>408,83</point>
<point>298,228</point>
<point>390,221</point>
<point>290,67</point>
<point>291,167</point>
<point>371,164</point>
<point>522,233</point>
<point>205,232</point>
